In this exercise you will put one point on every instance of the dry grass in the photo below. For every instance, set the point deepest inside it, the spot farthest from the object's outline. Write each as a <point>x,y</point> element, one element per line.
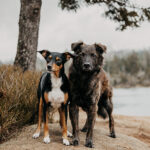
<point>18,99</point>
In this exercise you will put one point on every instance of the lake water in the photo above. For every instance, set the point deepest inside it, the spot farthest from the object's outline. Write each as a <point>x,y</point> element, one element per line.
<point>132,101</point>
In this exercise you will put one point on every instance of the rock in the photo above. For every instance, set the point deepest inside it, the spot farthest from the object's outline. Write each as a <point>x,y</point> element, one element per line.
<point>126,131</point>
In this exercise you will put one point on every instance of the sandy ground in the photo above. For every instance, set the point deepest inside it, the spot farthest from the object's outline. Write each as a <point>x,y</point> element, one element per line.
<point>133,133</point>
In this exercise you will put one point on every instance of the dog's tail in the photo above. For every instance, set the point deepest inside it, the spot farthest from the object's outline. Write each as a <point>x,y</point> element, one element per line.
<point>101,110</point>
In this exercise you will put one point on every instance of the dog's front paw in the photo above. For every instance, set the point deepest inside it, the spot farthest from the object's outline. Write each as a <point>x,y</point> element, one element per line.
<point>75,142</point>
<point>69,134</point>
<point>113,135</point>
<point>36,135</point>
<point>89,144</point>
<point>47,139</point>
<point>66,142</point>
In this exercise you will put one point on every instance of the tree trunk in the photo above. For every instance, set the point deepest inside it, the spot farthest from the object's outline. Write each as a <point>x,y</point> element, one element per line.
<point>28,34</point>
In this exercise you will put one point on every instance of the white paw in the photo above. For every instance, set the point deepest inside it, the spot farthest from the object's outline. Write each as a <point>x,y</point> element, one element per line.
<point>69,134</point>
<point>36,135</point>
<point>66,142</point>
<point>47,139</point>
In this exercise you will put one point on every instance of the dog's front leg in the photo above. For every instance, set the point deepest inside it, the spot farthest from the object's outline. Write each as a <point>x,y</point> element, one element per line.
<point>84,129</point>
<point>91,121</point>
<point>74,117</point>
<point>63,125</point>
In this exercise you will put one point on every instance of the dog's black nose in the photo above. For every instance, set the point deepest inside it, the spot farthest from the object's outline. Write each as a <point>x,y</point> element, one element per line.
<point>87,65</point>
<point>49,67</point>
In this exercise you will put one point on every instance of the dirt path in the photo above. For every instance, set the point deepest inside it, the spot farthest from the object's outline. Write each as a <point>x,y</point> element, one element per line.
<point>133,133</point>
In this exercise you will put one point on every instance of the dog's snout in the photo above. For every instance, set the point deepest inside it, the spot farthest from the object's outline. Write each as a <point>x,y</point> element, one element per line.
<point>49,67</point>
<point>87,65</point>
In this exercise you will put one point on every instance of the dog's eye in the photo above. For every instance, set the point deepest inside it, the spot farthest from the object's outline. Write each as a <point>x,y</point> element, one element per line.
<point>58,61</point>
<point>83,54</point>
<point>93,55</point>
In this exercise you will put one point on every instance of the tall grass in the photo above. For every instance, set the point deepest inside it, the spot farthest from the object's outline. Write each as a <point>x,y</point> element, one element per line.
<point>18,99</point>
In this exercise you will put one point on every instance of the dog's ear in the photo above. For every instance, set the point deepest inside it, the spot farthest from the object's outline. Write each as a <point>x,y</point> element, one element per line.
<point>100,48</point>
<point>44,53</point>
<point>76,46</point>
<point>68,55</point>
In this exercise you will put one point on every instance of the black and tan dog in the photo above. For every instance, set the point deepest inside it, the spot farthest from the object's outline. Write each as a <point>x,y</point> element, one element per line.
<point>90,89</point>
<point>53,91</point>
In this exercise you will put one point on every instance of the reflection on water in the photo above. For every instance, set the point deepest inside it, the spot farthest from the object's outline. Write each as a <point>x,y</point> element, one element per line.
<point>132,101</point>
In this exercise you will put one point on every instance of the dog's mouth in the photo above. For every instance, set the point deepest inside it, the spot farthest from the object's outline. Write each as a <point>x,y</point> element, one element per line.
<point>85,69</point>
<point>86,66</point>
<point>53,70</point>
<point>50,69</point>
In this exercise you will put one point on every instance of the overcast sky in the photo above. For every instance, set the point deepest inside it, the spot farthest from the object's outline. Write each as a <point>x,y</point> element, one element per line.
<point>58,29</point>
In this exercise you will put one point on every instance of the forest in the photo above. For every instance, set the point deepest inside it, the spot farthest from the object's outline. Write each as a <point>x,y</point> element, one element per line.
<point>129,69</point>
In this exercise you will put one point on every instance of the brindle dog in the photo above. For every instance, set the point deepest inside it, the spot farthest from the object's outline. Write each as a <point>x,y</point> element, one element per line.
<point>90,89</point>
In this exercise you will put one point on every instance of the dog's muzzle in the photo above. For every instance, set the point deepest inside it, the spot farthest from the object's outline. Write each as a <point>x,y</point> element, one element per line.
<point>87,67</point>
<point>49,67</point>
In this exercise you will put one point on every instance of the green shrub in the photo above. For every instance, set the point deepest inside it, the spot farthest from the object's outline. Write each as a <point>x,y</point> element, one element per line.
<point>18,99</point>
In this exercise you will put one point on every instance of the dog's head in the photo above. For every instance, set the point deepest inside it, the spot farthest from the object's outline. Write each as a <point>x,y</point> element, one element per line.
<point>55,61</point>
<point>89,58</point>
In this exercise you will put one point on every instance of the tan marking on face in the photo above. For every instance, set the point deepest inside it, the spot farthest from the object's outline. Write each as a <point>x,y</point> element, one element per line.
<point>56,69</point>
<point>50,56</point>
<point>63,123</point>
<point>57,58</point>
<point>46,97</point>
<point>65,98</point>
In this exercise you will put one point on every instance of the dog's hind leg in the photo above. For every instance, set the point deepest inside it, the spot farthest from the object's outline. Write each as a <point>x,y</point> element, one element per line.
<point>66,113</point>
<point>46,131</point>
<point>111,119</point>
<point>37,132</point>
<point>107,103</point>
<point>66,116</point>
<point>45,116</point>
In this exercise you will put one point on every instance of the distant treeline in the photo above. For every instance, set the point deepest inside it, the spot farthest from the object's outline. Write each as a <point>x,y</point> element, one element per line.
<point>129,69</point>
<point>125,68</point>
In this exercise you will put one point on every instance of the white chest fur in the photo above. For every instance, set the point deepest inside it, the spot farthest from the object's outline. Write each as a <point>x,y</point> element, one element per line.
<point>56,96</point>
